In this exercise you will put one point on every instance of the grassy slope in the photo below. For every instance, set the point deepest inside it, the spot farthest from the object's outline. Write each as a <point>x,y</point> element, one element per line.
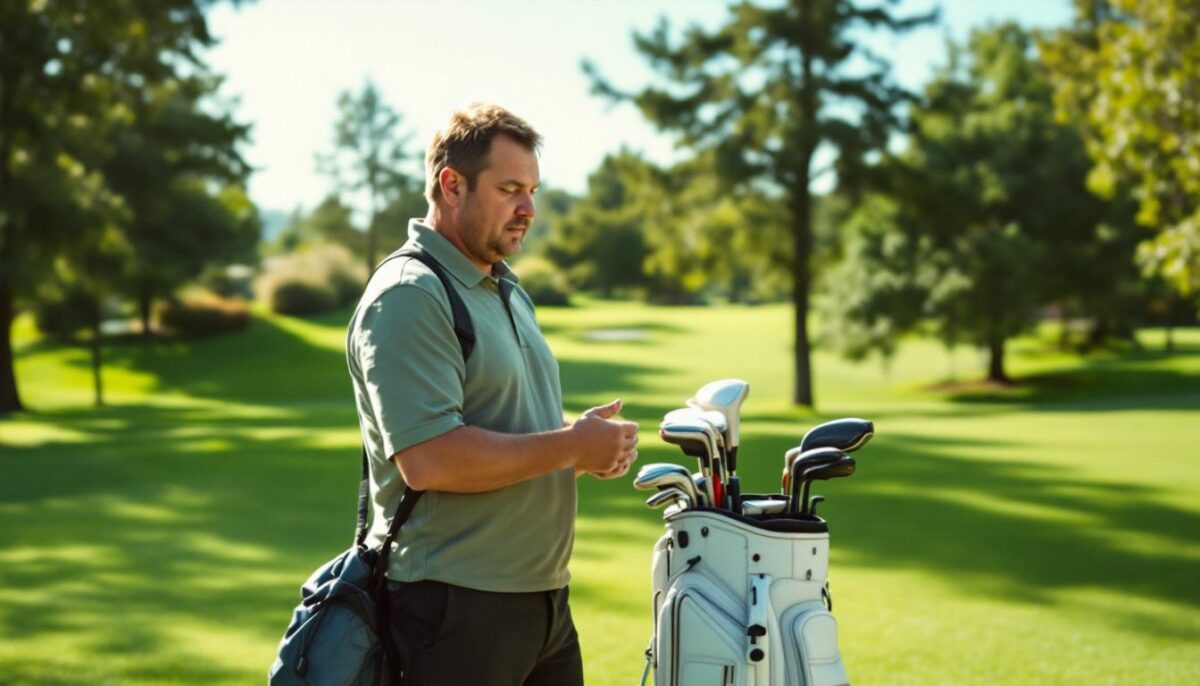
<point>1045,534</point>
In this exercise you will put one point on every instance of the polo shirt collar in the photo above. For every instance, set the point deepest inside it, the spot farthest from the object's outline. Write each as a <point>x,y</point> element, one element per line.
<point>448,255</point>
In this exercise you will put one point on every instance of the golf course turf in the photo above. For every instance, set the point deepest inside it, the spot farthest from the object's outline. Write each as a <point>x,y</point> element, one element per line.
<point>1044,533</point>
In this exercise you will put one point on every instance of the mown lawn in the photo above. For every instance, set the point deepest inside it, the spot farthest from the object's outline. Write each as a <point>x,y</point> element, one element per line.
<point>1044,534</point>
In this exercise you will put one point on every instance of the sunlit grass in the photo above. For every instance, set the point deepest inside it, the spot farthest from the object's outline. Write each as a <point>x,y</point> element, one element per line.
<point>1046,533</point>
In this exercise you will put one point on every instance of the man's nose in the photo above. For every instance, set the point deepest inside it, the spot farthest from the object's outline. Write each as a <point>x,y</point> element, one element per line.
<point>525,208</point>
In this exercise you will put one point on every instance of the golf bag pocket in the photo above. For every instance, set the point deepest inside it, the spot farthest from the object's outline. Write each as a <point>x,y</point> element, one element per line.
<point>700,642</point>
<point>813,658</point>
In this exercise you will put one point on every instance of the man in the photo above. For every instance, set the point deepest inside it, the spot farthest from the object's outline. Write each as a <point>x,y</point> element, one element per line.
<point>478,576</point>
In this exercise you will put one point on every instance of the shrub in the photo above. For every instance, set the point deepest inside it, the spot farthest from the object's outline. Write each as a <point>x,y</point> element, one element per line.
<point>544,282</point>
<point>319,279</point>
<point>299,296</point>
<point>198,313</point>
<point>61,313</point>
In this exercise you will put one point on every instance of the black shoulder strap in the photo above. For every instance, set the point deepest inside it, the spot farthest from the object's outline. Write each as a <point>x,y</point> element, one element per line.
<point>464,331</point>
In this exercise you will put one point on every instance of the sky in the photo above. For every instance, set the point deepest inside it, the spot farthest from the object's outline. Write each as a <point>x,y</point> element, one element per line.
<point>286,62</point>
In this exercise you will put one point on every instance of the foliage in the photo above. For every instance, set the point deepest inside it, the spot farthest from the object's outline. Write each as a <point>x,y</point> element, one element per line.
<point>315,280</point>
<point>74,78</point>
<point>878,291</point>
<point>197,313</point>
<point>1128,72</point>
<point>601,242</point>
<point>369,156</point>
<point>993,194</point>
<point>544,282</point>
<point>762,93</point>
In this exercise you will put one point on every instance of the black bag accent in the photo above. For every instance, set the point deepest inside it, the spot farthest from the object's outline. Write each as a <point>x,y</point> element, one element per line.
<point>339,633</point>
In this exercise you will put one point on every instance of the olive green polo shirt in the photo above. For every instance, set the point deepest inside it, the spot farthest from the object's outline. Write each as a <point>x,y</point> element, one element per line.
<point>411,385</point>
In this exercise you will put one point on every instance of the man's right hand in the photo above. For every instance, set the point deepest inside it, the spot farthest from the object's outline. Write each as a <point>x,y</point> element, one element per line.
<point>604,445</point>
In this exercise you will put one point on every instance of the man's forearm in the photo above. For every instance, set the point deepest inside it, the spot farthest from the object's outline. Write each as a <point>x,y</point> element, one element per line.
<point>472,460</point>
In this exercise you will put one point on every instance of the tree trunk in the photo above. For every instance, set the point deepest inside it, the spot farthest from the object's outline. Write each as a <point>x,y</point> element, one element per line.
<point>1170,324</point>
<point>802,243</point>
<point>372,238</point>
<point>97,361</point>
<point>996,361</point>
<point>10,400</point>
<point>145,301</point>
<point>802,393</point>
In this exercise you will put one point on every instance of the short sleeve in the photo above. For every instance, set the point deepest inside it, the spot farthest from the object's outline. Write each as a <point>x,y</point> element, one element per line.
<point>412,366</point>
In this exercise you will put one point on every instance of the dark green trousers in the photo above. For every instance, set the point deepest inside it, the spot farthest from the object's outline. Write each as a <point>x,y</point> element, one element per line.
<point>453,636</point>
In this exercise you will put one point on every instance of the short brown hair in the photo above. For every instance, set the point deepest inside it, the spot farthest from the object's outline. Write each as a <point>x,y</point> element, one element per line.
<point>465,142</point>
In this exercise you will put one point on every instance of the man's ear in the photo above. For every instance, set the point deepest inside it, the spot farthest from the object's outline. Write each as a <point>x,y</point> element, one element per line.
<point>452,185</point>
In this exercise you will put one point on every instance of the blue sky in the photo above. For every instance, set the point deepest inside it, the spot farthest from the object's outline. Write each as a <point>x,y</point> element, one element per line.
<point>286,61</point>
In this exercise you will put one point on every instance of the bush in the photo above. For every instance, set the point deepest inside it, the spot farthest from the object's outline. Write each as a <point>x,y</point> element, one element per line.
<point>319,279</point>
<point>298,297</point>
<point>61,313</point>
<point>199,313</point>
<point>544,282</point>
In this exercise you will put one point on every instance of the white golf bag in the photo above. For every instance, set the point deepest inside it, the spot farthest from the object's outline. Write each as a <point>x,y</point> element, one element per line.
<point>743,601</point>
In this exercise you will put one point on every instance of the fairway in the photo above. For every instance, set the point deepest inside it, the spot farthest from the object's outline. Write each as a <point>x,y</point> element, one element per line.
<point>1043,534</point>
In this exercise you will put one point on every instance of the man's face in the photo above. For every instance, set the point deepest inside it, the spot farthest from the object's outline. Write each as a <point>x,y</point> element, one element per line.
<point>497,212</point>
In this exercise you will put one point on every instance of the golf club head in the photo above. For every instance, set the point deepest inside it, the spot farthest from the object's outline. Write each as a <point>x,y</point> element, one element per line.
<point>654,471</point>
<point>834,470</point>
<point>809,457</point>
<point>667,496</point>
<point>799,463</point>
<point>712,422</point>
<point>691,436</point>
<point>663,476</point>
<point>695,438</point>
<point>766,506</point>
<point>822,472</point>
<point>725,396</point>
<point>846,435</point>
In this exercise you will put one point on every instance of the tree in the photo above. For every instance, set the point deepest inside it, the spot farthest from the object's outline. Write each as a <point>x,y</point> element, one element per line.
<point>170,163</point>
<point>1128,73</point>
<point>368,156</point>
<point>764,92</point>
<point>64,66</point>
<point>993,202</point>
<point>601,242</point>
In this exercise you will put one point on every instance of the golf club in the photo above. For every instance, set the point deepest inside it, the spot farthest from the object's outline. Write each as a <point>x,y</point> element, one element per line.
<point>764,506</point>
<point>726,396</point>
<point>836,470</point>
<point>663,475</point>
<point>799,464</point>
<point>846,435</point>
<point>695,440</point>
<point>810,458</point>
<point>714,424</point>
<point>667,496</point>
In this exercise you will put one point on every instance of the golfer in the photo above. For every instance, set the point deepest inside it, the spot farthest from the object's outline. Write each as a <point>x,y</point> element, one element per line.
<point>478,577</point>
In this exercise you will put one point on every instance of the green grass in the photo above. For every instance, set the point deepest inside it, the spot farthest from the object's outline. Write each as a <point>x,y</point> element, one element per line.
<point>1048,533</point>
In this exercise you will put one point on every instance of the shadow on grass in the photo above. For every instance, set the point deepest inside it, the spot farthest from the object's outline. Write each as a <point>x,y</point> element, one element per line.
<point>203,519</point>
<point>1019,530</point>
